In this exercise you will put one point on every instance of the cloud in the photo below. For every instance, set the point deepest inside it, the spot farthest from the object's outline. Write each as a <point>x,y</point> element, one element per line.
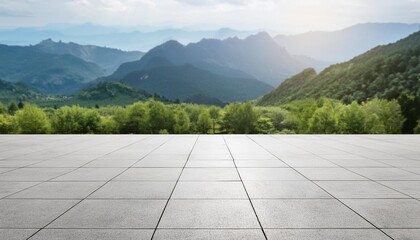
<point>214,2</point>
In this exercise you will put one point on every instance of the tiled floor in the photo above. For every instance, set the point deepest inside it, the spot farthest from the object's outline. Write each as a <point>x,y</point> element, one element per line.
<point>209,187</point>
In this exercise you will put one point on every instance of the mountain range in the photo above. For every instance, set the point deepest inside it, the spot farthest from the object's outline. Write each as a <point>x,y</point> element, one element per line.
<point>384,72</point>
<point>258,56</point>
<point>127,38</point>
<point>108,59</point>
<point>342,45</point>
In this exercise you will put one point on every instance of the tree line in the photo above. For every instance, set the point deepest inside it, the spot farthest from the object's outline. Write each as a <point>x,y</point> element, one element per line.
<point>322,116</point>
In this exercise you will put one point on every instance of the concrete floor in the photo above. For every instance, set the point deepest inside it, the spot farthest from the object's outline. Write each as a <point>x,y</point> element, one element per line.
<point>209,187</point>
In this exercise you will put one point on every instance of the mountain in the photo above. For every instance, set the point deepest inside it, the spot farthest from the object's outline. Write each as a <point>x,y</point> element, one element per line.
<point>108,59</point>
<point>383,72</point>
<point>128,38</point>
<point>16,92</point>
<point>257,56</point>
<point>45,72</point>
<point>186,81</point>
<point>342,45</point>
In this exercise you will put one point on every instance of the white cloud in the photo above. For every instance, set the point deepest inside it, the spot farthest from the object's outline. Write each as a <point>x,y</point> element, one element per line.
<point>275,15</point>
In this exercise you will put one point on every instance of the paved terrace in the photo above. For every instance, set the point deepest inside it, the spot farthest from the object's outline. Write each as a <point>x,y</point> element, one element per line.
<point>209,187</point>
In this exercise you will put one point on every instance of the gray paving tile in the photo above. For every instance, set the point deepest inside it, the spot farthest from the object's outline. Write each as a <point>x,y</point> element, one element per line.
<point>388,213</point>
<point>111,163</point>
<point>259,163</point>
<point>322,234</point>
<point>401,163</point>
<point>16,234</point>
<point>307,213</point>
<point>160,163</point>
<point>359,189</point>
<point>2,170</point>
<point>269,174</point>
<point>91,174</point>
<point>209,214</point>
<point>112,214</point>
<point>329,174</point>
<point>103,234</point>
<point>30,213</point>
<point>199,234</point>
<point>358,163</point>
<point>16,163</point>
<point>413,170</point>
<point>309,163</point>
<point>411,188</point>
<point>386,174</point>
<point>209,174</point>
<point>210,164</point>
<point>403,234</point>
<point>209,190</point>
<point>7,188</point>
<point>150,174</point>
<point>62,163</point>
<point>254,157</point>
<point>197,157</point>
<point>284,189</point>
<point>33,174</point>
<point>142,190</point>
<point>57,190</point>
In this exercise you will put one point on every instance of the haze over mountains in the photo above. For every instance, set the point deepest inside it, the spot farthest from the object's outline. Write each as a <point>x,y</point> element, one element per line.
<point>342,45</point>
<point>133,38</point>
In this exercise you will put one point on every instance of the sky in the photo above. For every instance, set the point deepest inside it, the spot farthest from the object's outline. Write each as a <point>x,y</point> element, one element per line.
<point>279,16</point>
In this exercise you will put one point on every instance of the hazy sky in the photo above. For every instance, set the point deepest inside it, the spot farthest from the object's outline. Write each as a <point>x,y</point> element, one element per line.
<point>285,16</point>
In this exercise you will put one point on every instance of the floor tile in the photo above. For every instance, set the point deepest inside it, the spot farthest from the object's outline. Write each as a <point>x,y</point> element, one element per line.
<point>150,174</point>
<point>388,213</point>
<point>358,189</point>
<point>209,214</point>
<point>284,189</point>
<point>329,174</point>
<point>103,234</point>
<point>209,190</point>
<point>386,174</point>
<point>91,174</point>
<point>57,190</point>
<point>30,213</point>
<point>307,213</point>
<point>140,190</point>
<point>196,234</point>
<point>269,174</point>
<point>34,174</point>
<point>209,174</point>
<point>112,214</point>
<point>411,188</point>
<point>323,234</point>
<point>16,234</point>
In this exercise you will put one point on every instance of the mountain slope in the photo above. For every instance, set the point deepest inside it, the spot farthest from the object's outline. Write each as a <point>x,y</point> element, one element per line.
<point>257,56</point>
<point>107,58</point>
<point>47,73</point>
<point>342,45</point>
<point>384,72</point>
<point>187,81</point>
<point>16,92</point>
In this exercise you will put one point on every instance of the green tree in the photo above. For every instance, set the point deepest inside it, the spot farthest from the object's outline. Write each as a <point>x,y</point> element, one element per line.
<point>32,120</point>
<point>109,126</point>
<point>265,125</point>
<point>120,116</point>
<point>158,115</point>
<point>324,120</point>
<point>92,121</point>
<point>182,122</point>
<point>138,118</point>
<point>389,113</point>
<point>240,118</point>
<point>214,115</point>
<point>76,120</point>
<point>352,119</point>
<point>374,125</point>
<point>204,121</point>
<point>12,108</point>
<point>7,124</point>
<point>3,109</point>
<point>417,128</point>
